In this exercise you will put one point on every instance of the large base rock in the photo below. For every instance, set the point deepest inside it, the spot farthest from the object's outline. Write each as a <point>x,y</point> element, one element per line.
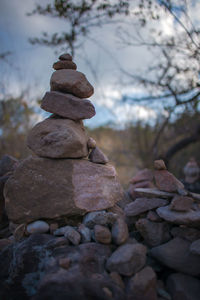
<point>42,188</point>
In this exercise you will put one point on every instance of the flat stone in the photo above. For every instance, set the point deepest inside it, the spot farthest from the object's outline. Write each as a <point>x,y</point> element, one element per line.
<point>72,187</point>
<point>102,234</point>
<point>64,64</point>
<point>142,175</point>
<point>68,106</point>
<point>128,259</point>
<point>195,247</point>
<point>91,143</point>
<point>183,287</point>
<point>97,156</point>
<point>176,255</point>
<point>181,218</point>
<point>153,193</point>
<point>65,56</point>
<point>58,138</point>
<point>142,285</point>
<point>99,218</point>
<point>72,235</point>
<point>37,227</point>
<point>159,165</point>
<point>181,203</point>
<point>72,82</point>
<point>167,182</point>
<point>190,234</point>
<point>85,233</point>
<point>120,232</point>
<point>154,234</point>
<point>141,205</point>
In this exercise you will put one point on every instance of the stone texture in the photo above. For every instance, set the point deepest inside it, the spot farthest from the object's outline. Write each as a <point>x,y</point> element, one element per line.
<point>142,286</point>
<point>159,165</point>
<point>181,218</point>
<point>117,279</point>
<point>37,227</point>
<point>7,164</point>
<point>64,64</point>
<point>181,203</point>
<point>58,138</point>
<point>85,233</point>
<point>72,82</point>
<point>3,217</point>
<point>4,243</point>
<point>153,193</point>
<point>19,232</point>
<point>128,259</point>
<point>102,234</point>
<point>72,187</point>
<point>91,143</point>
<point>72,235</point>
<point>65,56</point>
<point>143,175</point>
<point>176,255</point>
<point>97,156</point>
<point>141,205</point>
<point>99,218</point>
<point>166,181</point>
<point>64,262</point>
<point>154,234</point>
<point>68,106</point>
<point>183,287</point>
<point>120,232</point>
<point>190,234</point>
<point>195,247</point>
<point>153,216</point>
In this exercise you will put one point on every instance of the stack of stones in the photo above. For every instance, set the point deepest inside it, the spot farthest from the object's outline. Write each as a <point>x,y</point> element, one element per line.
<point>70,175</point>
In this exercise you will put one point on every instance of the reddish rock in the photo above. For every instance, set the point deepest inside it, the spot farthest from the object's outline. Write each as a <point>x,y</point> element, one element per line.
<point>142,205</point>
<point>181,203</point>
<point>153,216</point>
<point>159,165</point>
<point>143,175</point>
<point>68,106</point>
<point>58,138</point>
<point>97,156</point>
<point>167,182</point>
<point>65,56</point>
<point>72,82</point>
<point>142,286</point>
<point>64,64</point>
<point>154,234</point>
<point>102,234</point>
<point>64,262</point>
<point>72,187</point>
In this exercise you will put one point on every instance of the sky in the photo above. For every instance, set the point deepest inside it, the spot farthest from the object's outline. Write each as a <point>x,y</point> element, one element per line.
<point>29,66</point>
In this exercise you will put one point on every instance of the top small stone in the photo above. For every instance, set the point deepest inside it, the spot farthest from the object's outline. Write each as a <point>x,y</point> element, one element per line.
<point>65,56</point>
<point>159,165</point>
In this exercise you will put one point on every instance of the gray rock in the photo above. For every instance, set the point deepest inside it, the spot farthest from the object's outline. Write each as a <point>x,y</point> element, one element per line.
<point>72,235</point>
<point>167,182</point>
<point>183,287</point>
<point>128,259</point>
<point>154,234</point>
<point>85,233</point>
<point>176,255</point>
<point>72,82</point>
<point>58,138</point>
<point>68,106</point>
<point>195,247</point>
<point>181,218</point>
<point>142,285</point>
<point>37,227</point>
<point>190,234</point>
<point>97,156</point>
<point>120,231</point>
<point>102,234</point>
<point>141,205</point>
<point>153,193</point>
<point>99,218</point>
<point>73,187</point>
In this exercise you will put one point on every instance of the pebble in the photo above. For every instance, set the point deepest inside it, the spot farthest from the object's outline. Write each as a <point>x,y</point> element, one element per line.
<point>72,235</point>
<point>98,157</point>
<point>85,233</point>
<point>91,143</point>
<point>37,227</point>
<point>99,218</point>
<point>102,234</point>
<point>120,231</point>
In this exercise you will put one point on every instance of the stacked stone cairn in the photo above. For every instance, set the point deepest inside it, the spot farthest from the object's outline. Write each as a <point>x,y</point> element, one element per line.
<point>73,235</point>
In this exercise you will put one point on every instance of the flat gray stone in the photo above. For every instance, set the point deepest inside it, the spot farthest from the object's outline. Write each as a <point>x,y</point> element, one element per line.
<point>154,193</point>
<point>68,106</point>
<point>37,227</point>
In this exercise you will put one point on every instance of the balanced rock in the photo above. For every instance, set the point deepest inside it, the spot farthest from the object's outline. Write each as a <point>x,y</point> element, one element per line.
<point>65,56</point>
<point>42,188</point>
<point>166,181</point>
<point>97,156</point>
<point>68,106</point>
<point>91,143</point>
<point>64,64</point>
<point>159,165</point>
<point>71,81</point>
<point>58,138</point>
